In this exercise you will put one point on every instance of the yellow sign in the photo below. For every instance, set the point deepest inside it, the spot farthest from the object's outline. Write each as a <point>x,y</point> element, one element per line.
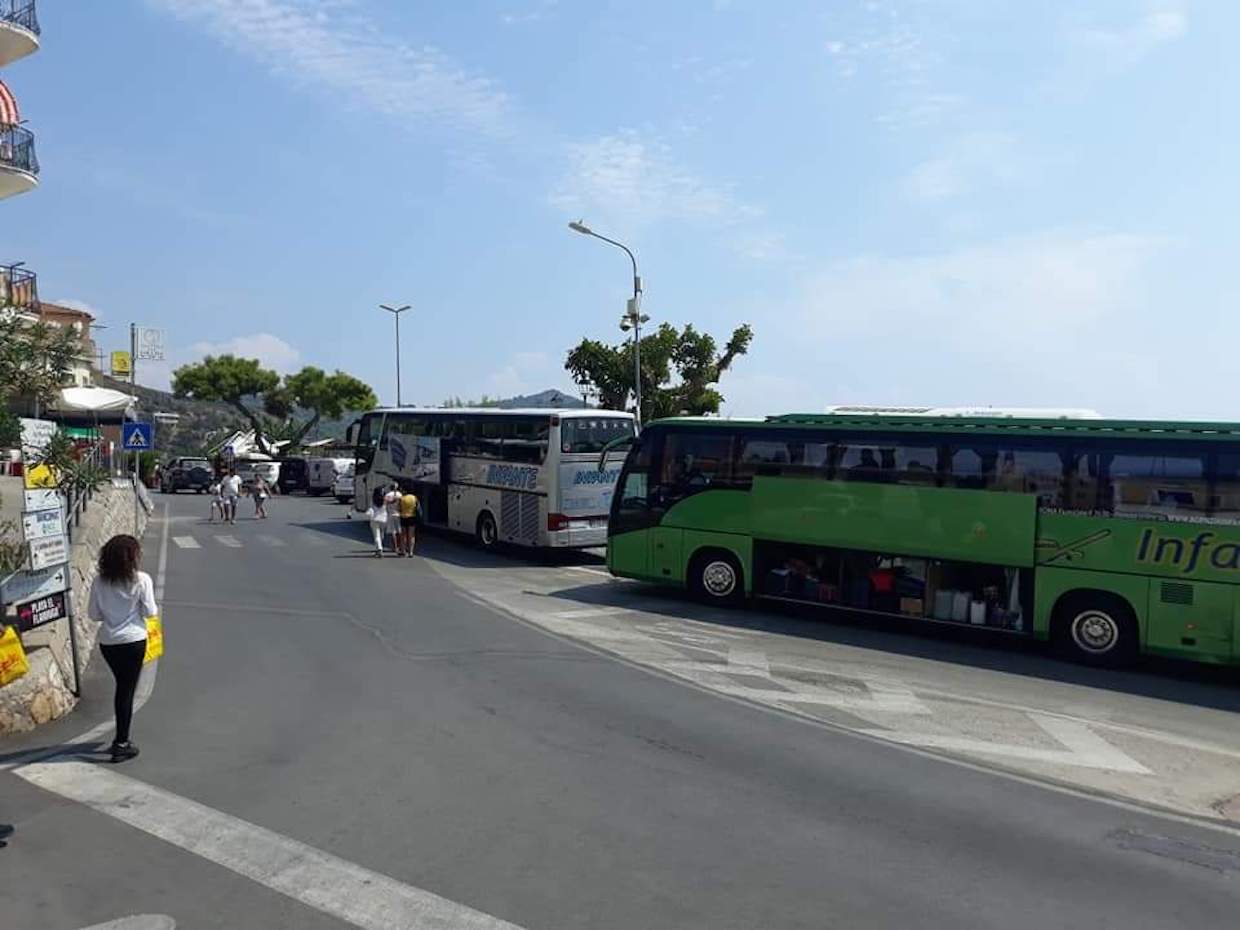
<point>40,476</point>
<point>120,363</point>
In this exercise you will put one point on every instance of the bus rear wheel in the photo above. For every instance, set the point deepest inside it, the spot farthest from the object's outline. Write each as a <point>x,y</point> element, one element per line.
<point>716,577</point>
<point>1096,628</point>
<point>486,532</point>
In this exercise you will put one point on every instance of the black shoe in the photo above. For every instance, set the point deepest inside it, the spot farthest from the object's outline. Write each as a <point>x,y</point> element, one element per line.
<point>123,751</point>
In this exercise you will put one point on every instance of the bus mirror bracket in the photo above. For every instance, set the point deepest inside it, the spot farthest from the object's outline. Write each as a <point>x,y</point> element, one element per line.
<point>614,444</point>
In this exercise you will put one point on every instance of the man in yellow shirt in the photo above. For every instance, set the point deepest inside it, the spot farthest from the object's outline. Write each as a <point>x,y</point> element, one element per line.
<point>408,509</point>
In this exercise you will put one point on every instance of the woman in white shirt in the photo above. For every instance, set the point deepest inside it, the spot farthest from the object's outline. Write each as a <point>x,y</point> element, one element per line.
<point>121,599</point>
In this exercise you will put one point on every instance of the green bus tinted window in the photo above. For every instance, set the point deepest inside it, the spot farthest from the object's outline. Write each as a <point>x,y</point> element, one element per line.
<point>694,461</point>
<point>1019,470</point>
<point>794,457</point>
<point>1226,499</point>
<point>886,462</point>
<point>1155,483</point>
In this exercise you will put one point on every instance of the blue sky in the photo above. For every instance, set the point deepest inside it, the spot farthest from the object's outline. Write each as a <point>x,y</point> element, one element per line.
<point>948,202</point>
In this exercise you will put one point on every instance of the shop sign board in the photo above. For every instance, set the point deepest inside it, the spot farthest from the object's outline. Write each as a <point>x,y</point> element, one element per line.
<point>150,343</point>
<point>52,607</point>
<point>28,586</point>
<point>36,434</point>
<point>39,524</point>
<point>121,364</point>
<point>54,550</point>
<point>41,499</point>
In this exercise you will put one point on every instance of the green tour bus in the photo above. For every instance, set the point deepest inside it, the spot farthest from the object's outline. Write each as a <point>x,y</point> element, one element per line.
<point>1108,537</point>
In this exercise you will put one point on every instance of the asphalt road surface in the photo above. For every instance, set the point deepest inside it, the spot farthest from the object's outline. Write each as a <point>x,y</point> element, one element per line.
<point>336,741</point>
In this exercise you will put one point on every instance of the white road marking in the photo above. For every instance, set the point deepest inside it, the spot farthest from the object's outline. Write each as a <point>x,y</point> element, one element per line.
<point>749,662</point>
<point>186,542</point>
<point>162,574</point>
<point>231,542</point>
<point>274,541</point>
<point>317,879</point>
<point>587,612</point>
<point>312,539</point>
<point>137,922</point>
<point>588,570</point>
<point>1083,747</point>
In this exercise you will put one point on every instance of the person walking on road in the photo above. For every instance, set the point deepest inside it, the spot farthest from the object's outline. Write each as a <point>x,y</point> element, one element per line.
<point>260,491</point>
<point>231,488</point>
<point>408,514</point>
<point>217,501</point>
<point>391,500</point>
<point>376,513</point>
<point>121,598</point>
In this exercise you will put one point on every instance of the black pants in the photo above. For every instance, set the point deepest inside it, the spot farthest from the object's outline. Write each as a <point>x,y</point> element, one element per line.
<point>125,661</point>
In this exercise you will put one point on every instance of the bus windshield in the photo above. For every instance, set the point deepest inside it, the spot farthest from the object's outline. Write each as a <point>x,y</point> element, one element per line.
<point>590,434</point>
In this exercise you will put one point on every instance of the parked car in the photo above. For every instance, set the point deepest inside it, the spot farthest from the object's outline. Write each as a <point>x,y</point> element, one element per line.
<point>342,487</point>
<point>190,473</point>
<point>293,474</point>
<point>323,472</point>
<point>250,469</point>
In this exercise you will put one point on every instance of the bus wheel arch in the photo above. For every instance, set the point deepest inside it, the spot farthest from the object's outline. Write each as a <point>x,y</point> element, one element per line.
<point>716,575</point>
<point>1095,627</point>
<point>486,530</point>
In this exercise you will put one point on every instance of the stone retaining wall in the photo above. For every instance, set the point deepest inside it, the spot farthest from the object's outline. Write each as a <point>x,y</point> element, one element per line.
<point>45,693</point>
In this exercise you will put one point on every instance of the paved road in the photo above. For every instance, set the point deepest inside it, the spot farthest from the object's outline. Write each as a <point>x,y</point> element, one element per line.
<point>334,741</point>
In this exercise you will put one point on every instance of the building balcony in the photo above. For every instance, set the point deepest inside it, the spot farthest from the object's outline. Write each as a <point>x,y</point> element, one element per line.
<point>19,290</point>
<point>19,168</point>
<point>19,30</point>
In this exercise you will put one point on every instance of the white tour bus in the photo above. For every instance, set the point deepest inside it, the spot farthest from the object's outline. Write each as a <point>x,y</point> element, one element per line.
<point>530,477</point>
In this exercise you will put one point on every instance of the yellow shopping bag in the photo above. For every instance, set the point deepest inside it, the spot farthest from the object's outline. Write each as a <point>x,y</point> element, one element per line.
<point>154,640</point>
<point>13,664</point>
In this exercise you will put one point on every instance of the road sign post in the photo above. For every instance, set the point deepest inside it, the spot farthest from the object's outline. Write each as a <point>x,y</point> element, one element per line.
<point>137,438</point>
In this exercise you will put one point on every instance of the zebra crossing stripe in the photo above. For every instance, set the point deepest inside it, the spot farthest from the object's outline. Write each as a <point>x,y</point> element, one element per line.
<point>272,540</point>
<point>231,542</point>
<point>186,542</point>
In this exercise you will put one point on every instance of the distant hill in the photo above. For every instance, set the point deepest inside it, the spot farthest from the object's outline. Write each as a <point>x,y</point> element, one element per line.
<point>548,398</point>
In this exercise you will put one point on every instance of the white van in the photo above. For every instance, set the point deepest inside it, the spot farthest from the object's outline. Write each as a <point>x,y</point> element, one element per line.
<point>321,473</point>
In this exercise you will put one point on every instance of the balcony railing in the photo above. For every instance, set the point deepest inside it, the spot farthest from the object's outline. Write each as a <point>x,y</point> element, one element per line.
<point>17,149</point>
<point>20,13</point>
<point>19,289</point>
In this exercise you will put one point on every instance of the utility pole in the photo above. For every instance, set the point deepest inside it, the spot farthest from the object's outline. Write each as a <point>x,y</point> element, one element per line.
<point>396,312</point>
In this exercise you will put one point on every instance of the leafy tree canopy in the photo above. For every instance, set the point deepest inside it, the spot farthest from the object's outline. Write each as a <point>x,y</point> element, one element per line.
<point>680,369</point>
<point>274,408</point>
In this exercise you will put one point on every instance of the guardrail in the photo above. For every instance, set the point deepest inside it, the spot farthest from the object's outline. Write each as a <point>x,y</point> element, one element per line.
<point>76,500</point>
<point>17,149</point>
<point>20,13</point>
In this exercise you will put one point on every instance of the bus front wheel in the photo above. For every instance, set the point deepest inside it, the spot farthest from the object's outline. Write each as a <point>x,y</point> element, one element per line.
<point>486,532</point>
<point>716,577</point>
<point>1096,628</point>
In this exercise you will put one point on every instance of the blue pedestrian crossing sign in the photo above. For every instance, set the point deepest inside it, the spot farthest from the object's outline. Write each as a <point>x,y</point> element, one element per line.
<point>137,437</point>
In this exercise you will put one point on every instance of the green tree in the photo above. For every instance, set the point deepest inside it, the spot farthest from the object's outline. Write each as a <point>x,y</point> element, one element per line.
<point>321,395</point>
<point>680,369</point>
<point>238,382</point>
<point>274,409</point>
<point>35,360</point>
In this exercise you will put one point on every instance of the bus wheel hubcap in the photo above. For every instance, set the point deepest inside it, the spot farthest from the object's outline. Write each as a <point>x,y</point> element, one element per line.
<point>719,578</point>
<point>1095,631</point>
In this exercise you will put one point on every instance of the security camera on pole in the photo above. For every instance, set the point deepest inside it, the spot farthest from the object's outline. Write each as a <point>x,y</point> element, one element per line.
<point>632,319</point>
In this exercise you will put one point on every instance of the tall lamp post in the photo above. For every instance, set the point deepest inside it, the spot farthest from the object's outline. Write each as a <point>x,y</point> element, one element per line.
<point>396,312</point>
<point>632,318</point>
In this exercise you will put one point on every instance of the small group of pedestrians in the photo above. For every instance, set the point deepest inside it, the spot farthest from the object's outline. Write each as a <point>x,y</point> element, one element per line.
<point>393,512</point>
<point>226,493</point>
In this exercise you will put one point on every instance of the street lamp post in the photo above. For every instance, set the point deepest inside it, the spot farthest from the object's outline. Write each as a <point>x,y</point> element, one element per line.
<point>632,316</point>
<point>396,312</point>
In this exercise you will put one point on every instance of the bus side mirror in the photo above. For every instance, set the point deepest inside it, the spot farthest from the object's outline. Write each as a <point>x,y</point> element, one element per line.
<point>610,447</point>
<point>348,433</point>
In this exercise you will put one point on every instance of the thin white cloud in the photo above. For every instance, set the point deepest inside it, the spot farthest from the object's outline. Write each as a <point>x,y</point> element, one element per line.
<point>637,180</point>
<point>1162,21</point>
<point>271,350</point>
<point>325,44</point>
<point>977,160</point>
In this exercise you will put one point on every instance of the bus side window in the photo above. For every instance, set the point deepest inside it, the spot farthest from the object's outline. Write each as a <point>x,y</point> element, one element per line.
<point>694,461</point>
<point>1147,482</point>
<point>1225,502</point>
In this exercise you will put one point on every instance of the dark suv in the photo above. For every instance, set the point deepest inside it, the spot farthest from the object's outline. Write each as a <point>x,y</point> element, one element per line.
<point>293,475</point>
<point>186,473</point>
